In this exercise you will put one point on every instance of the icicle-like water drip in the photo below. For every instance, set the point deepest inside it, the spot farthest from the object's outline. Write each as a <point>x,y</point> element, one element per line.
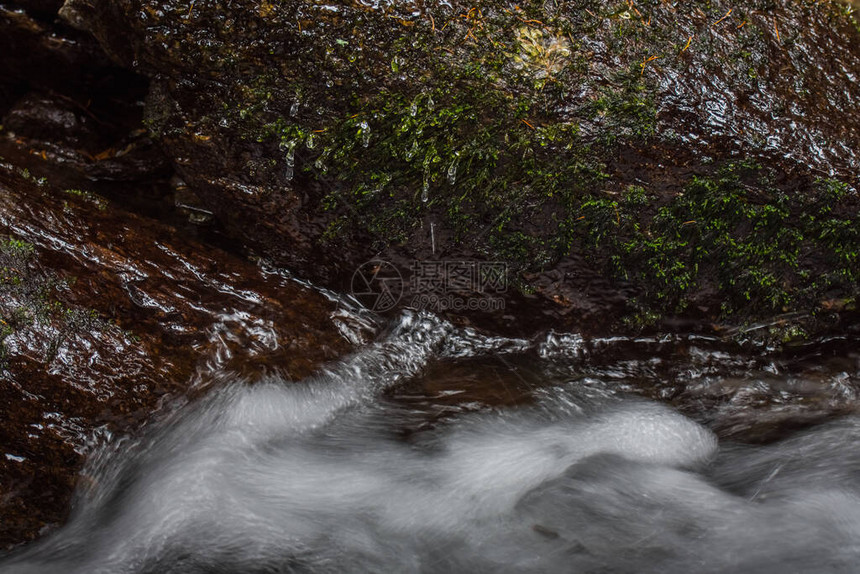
<point>320,162</point>
<point>425,189</point>
<point>410,153</point>
<point>289,149</point>
<point>452,169</point>
<point>425,183</point>
<point>364,128</point>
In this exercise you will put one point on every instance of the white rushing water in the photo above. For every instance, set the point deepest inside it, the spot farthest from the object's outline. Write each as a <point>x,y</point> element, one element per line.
<point>280,477</point>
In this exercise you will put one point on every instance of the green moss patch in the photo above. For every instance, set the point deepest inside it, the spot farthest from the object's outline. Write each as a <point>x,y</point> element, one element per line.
<point>755,248</point>
<point>503,124</point>
<point>28,301</point>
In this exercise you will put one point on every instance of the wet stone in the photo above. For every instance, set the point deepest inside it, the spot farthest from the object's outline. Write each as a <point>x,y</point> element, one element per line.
<point>348,130</point>
<point>44,117</point>
<point>105,318</point>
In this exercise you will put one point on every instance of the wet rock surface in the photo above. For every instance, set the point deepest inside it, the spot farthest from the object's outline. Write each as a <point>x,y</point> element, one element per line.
<point>105,318</point>
<point>327,134</point>
<point>386,410</point>
<point>574,142</point>
<point>41,52</point>
<point>748,391</point>
<point>635,166</point>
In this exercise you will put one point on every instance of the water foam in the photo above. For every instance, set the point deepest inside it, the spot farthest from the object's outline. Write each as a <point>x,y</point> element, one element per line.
<point>313,477</point>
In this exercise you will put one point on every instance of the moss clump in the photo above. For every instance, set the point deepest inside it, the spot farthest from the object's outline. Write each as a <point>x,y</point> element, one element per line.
<point>484,147</point>
<point>446,152</point>
<point>100,202</point>
<point>15,256</point>
<point>490,119</point>
<point>759,249</point>
<point>508,125</point>
<point>28,300</point>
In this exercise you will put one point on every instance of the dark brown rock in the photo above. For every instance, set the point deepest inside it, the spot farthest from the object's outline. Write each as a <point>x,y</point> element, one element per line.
<point>682,87</point>
<point>106,318</point>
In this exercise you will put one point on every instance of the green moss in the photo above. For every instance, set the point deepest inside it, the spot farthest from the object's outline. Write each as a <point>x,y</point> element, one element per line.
<point>487,158</point>
<point>15,256</point>
<point>402,157</point>
<point>16,248</point>
<point>28,300</point>
<point>462,120</point>
<point>497,122</point>
<point>627,108</point>
<point>639,319</point>
<point>100,202</point>
<point>759,247</point>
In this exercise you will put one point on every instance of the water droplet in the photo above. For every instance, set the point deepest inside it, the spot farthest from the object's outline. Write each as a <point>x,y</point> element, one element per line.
<point>319,164</point>
<point>289,158</point>
<point>452,172</point>
<point>410,153</point>
<point>224,123</point>
<point>365,133</point>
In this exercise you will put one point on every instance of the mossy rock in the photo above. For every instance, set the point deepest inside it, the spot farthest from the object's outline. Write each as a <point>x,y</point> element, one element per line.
<point>536,134</point>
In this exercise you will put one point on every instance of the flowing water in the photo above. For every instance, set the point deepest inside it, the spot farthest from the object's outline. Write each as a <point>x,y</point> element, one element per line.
<point>432,448</point>
<point>437,449</point>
